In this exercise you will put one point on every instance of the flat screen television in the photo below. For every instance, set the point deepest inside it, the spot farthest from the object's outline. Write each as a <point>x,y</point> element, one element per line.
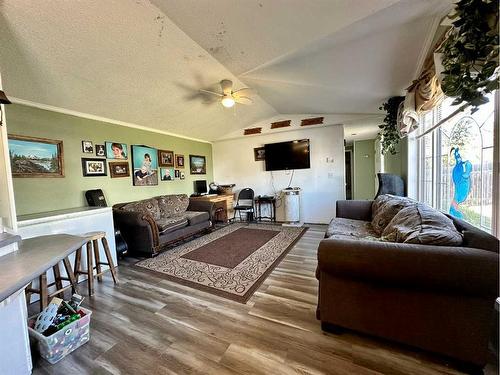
<point>287,155</point>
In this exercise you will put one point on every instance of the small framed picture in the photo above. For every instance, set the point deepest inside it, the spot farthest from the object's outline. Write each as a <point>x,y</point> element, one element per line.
<point>177,173</point>
<point>87,147</point>
<point>100,150</point>
<point>259,153</point>
<point>179,161</point>
<point>167,174</point>
<point>119,169</point>
<point>93,167</point>
<point>182,175</point>
<point>116,150</point>
<point>165,158</point>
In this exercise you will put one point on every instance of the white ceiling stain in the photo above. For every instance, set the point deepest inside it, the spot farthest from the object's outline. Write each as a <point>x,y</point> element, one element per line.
<point>143,62</point>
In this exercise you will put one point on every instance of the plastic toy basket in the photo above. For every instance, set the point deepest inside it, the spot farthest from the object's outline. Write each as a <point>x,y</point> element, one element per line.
<point>55,347</point>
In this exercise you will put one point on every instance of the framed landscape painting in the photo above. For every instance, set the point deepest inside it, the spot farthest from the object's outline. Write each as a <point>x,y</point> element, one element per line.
<point>197,164</point>
<point>35,157</point>
<point>144,165</point>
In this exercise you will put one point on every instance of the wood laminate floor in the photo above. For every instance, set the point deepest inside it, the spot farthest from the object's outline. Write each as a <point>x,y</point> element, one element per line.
<point>148,325</point>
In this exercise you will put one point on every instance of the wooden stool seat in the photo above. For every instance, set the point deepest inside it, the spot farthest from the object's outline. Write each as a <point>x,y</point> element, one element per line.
<point>43,286</point>
<point>97,235</point>
<point>93,247</point>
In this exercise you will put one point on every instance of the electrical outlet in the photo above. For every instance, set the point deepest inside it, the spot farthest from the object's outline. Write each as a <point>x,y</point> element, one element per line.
<point>330,175</point>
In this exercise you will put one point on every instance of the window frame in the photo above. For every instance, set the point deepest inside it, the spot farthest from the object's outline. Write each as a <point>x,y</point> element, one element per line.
<point>435,138</point>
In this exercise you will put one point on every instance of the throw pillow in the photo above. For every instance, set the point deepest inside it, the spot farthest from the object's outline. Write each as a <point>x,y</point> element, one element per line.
<point>421,224</point>
<point>174,204</point>
<point>147,206</point>
<point>385,207</point>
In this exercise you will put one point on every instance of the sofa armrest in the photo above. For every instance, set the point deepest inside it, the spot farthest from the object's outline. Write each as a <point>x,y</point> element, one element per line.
<point>202,206</point>
<point>438,268</point>
<point>356,210</point>
<point>139,230</point>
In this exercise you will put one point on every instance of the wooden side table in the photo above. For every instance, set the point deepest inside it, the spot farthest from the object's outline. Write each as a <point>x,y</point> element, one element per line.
<point>224,201</point>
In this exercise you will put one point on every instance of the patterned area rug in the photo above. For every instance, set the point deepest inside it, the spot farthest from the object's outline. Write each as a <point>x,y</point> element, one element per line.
<point>231,262</point>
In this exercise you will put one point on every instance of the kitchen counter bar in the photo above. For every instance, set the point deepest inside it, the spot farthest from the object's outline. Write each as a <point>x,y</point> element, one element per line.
<point>35,256</point>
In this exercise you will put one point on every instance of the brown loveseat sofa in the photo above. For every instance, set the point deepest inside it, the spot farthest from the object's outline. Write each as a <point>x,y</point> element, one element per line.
<point>438,298</point>
<point>150,224</point>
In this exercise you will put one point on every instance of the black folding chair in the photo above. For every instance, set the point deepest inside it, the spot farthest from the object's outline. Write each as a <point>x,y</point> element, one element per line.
<point>245,204</point>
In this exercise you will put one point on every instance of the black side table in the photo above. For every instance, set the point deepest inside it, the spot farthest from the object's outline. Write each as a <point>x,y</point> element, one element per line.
<point>265,200</point>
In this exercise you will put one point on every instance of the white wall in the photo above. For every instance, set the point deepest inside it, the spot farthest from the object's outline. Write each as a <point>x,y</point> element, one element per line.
<point>7,206</point>
<point>323,184</point>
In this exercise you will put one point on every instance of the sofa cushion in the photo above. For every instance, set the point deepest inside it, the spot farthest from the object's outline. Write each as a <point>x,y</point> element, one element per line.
<point>385,207</point>
<point>195,217</point>
<point>421,224</point>
<point>172,223</point>
<point>350,229</point>
<point>172,205</point>
<point>146,206</point>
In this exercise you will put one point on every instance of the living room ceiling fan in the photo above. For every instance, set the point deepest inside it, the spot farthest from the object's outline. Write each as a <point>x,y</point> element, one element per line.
<point>230,97</point>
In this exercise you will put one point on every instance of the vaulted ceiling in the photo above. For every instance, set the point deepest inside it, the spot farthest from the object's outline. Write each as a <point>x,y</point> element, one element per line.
<point>143,61</point>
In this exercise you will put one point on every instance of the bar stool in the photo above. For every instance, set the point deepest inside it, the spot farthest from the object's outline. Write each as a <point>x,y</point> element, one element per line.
<point>93,244</point>
<point>43,287</point>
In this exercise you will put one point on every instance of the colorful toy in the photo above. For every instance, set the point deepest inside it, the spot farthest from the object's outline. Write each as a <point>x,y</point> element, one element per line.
<point>47,316</point>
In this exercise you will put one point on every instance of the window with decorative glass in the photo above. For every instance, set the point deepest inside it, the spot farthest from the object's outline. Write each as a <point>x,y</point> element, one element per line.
<point>455,163</point>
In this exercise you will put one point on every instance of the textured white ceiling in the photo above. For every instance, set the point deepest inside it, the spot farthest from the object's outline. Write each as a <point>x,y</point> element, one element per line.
<point>142,61</point>
<point>120,59</point>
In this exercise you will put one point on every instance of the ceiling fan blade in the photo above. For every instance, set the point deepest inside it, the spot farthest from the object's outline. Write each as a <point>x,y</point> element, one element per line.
<point>243,100</point>
<point>211,92</point>
<point>246,92</point>
<point>227,86</point>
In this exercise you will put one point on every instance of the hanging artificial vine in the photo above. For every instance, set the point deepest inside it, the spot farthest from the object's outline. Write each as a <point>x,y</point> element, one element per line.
<point>470,53</point>
<point>389,135</point>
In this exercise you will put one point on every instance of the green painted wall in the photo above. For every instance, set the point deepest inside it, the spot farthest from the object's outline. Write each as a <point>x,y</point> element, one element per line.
<point>364,169</point>
<point>393,163</point>
<point>47,194</point>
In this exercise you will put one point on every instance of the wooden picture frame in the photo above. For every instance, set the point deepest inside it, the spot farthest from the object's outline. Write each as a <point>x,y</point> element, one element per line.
<point>180,161</point>
<point>119,169</point>
<point>165,158</point>
<point>197,164</point>
<point>93,167</point>
<point>26,163</point>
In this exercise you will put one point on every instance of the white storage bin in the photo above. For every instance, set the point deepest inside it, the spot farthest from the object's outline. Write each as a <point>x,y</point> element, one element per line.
<point>55,347</point>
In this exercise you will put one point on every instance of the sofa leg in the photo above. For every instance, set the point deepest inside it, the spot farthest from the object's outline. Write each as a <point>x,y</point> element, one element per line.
<point>332,328</point>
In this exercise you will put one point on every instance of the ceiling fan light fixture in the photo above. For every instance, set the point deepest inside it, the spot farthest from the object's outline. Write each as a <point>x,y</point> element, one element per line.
<point>227,101</point>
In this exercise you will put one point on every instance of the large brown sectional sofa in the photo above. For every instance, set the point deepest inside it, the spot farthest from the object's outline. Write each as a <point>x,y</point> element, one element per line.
<point>400,270</point>
<point>150,224</point>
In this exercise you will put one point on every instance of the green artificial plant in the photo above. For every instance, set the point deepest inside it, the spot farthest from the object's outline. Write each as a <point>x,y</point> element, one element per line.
<point>389,135</point>
<point>470,53</point>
